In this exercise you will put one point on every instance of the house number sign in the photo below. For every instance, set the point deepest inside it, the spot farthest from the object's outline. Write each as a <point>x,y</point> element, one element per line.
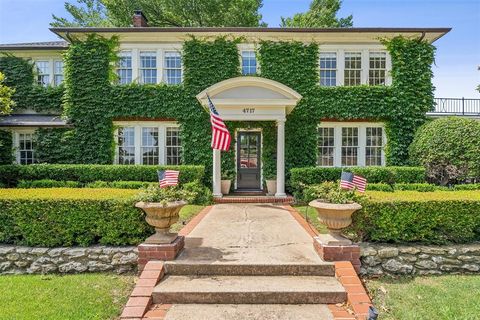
<point>248,110</point>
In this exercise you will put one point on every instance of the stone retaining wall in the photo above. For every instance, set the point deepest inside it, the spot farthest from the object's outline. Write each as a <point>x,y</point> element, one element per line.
<point>20,260</point>
<point>378,259</point>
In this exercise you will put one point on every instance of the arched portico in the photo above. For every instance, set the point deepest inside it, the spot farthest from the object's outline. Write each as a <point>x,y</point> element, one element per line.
<point>252,99</point>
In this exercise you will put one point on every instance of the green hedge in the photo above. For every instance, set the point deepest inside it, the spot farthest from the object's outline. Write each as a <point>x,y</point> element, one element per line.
<point>301,177</point>
<point>426,217</point>
<point>69,217</point>
<point>10,175</point>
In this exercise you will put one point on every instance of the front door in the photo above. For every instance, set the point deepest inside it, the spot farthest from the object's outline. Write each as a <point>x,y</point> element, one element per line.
<point>248,160</point>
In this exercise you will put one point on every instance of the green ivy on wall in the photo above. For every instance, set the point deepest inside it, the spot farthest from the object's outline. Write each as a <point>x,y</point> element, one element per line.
<point>6,154</point>
<point>92,102</point>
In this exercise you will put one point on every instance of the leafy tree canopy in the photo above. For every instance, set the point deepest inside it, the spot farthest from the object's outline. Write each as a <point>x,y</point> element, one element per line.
<point>6,102</point>
<point>322,14</point>
<point>163,13</point>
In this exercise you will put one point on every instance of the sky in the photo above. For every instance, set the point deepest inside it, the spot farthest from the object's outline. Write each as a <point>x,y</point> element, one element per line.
<point>456,71</point>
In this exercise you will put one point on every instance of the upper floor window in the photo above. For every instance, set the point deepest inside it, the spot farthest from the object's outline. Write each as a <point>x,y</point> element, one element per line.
<point>173,67</point>
<point>149,143</point>
<point>249,63</point>
<point>353,68</point>
<point>43,72</point>
<point>328,69</point>
<point>58,72</point>
<point>124,70</point>
<point>378,66</point>
<point>148,67</point>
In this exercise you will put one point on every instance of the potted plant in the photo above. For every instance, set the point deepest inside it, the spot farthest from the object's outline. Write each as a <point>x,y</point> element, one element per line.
<point>227,177</point>
<point>162,207</point>
<point>271,182</point>
<point>334,207</point>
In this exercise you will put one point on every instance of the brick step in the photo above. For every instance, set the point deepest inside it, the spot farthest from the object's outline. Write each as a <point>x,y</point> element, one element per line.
<point>207,268</point>
<point>249,290</point>
<point>254,199</point>
<point>243,312</point>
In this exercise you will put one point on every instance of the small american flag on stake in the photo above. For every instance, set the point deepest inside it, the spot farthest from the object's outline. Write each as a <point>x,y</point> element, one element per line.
<point>349,181</point>
<point>167,178</point>
<point>220,136</point>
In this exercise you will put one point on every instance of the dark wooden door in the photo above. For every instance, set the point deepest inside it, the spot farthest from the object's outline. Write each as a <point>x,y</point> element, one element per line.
<point>248,160</point>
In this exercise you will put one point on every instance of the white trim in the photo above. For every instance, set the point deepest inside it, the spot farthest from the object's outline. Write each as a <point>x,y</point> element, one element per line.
<point>362,127</point>
<point>16,142</point>
<point>138,125</point>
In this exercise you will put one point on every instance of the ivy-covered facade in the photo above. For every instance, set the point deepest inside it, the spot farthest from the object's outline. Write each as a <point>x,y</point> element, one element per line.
<point>335,97</point>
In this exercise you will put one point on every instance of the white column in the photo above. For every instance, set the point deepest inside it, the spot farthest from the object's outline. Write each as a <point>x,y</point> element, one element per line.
<point>217,191</point>
<point>280,159</point>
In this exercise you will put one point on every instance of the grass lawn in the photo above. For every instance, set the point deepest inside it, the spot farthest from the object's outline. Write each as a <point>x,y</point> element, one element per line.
<point>187,213</point>
<point>312,218</point>
<point>443,297</point>
<point>85,296</point>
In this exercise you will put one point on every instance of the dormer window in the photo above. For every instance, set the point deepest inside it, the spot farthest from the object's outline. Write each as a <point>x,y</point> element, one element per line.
<point>249,62</point>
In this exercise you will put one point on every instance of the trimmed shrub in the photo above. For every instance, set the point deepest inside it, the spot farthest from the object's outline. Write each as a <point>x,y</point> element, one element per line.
<point>421,187</point>
<point>427,217</point>
<point>69,217</point>
<point>119,184</point>
<point>47,183</point>
<point>473,186</point>
<point>11,174</point>
<point>449,148</point>
<point>379,187</point>
<point>203,195</point>
<point>301,177</point>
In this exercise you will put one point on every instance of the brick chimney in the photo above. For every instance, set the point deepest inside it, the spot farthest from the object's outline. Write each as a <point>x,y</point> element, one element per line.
<point>139,19</point>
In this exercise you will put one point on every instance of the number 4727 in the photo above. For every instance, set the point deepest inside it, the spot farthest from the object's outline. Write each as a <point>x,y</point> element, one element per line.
<point>248,110</point>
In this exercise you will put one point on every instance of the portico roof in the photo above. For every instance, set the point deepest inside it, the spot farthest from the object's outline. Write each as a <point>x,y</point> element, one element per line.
<point>272,98</point>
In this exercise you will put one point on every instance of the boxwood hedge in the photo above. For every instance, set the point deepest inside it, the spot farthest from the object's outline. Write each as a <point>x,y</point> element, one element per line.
<point>426,217</point>
<point>69,217</point>
<point>10,175</point>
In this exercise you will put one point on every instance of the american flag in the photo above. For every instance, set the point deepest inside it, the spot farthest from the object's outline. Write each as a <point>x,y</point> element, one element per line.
<point>167,178</point>
<point>220,136</point>
<point>349,181</point>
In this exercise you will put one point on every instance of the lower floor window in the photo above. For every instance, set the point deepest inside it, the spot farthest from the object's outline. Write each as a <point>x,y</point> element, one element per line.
<point>350,144</point>
<point>25,147</point>
<point>150,143</point>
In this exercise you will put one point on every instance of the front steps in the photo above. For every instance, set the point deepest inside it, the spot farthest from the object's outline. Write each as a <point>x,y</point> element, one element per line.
<point>207,268</point>
<point>249,290</point>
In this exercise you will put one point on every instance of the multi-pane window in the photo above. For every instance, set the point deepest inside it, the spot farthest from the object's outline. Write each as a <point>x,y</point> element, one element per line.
<point>149,148</point>
<point>374,144</point>
<point>26,153</point>
<point>326,146</point>
<point>328,69</point>
<point>173,67</point>
<point>249,63</point>
<point>148,67</point>
<point>353,68</point>
<point>124,69</point>
<point>43,72</point>
<point>378,66</point>
<point>173,146</point>
<point>349,146</point>
<point>57,72</point>
<point>126,145</point>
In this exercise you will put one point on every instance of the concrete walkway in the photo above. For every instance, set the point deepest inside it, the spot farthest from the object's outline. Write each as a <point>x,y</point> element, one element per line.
<point>249,234</point>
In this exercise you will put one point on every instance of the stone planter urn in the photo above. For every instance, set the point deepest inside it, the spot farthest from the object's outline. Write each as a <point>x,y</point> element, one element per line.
<point>225,186</point>
<point>336,217</point>
<point>161,218</point>
<point>271,187</point>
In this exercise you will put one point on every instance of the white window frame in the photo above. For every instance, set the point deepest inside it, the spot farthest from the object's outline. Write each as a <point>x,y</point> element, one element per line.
<point>241,62</point>
<point>328,69</point>
<point>365,51</point>
<point>248,47</point>
<point>138,126</point>
<point>372,53</point>
<point>164,62</point>
<point>51,67</point>
<point>55,73</point>
<point>16,142</point>
<point>160,50</point>
<point>362,140</point>
<point>154,54</point>
<point>46,73</point>
<point>125,53</point>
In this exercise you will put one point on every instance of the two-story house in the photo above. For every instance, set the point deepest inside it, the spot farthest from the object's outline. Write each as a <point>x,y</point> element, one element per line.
<point>290,97</point>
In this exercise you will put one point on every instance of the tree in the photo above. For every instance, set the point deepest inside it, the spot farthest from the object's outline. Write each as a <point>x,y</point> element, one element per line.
<point>449,148</point>
<point>322,14</point>
<point>6,102</point>
<point>163,13</point>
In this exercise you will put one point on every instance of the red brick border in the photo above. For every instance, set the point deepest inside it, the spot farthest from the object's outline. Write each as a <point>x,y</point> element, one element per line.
<point>339,253</point>
<point>141,297</point>
<point>194,222</point>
